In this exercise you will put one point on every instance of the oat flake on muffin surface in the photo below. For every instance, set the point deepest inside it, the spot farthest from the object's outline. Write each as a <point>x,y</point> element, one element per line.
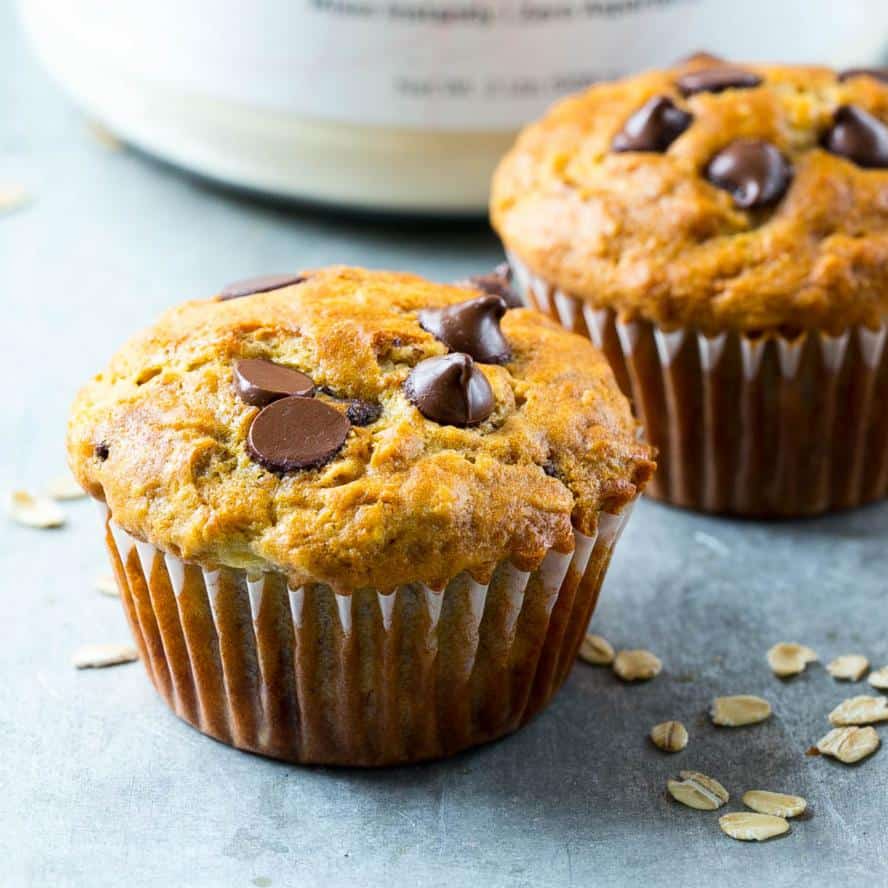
<point>161,437</point>
<point>612,197</point>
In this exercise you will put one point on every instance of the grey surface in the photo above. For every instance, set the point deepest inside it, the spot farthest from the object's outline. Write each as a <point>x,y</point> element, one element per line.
<point>101,785</point>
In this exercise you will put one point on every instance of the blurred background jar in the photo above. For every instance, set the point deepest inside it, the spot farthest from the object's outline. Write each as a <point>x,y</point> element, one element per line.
<point>392,105</point>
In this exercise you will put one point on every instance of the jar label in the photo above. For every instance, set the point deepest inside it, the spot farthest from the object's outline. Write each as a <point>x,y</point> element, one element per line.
<point>441,64</point>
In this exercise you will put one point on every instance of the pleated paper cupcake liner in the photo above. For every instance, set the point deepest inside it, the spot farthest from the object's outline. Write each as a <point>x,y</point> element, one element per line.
<point>312,676</point>
<point>754,426</point>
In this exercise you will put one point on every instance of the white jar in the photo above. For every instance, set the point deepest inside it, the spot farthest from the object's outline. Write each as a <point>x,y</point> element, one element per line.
<point>392,105</point>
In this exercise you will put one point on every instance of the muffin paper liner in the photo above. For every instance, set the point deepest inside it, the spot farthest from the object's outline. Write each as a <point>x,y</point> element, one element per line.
<point>756,426</point>
<point>309,675</point>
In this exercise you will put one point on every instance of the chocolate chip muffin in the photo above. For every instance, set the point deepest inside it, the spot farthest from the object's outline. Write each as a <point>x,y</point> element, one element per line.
<point>721,231</point>
<point>357,517</point>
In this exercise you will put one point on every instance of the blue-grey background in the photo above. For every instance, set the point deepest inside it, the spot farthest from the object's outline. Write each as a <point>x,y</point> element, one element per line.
<point>101,785</point>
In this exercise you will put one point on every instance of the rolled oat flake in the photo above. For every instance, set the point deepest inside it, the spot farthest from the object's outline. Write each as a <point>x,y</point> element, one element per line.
<point>748,827</point>
<point>670,736</point>
<point>65,487</point>
<point>99,656</point>
<point>777,804</point>
<point>596,650</point>
<point>638,665</point>
<point>848,667</point>
<point>879,678</point>
<point>34,511</point>
<point>861,710</point>
<point>849,745</point>
<point>742,709</point>
<point>698,791</point>
<point>790,658</point>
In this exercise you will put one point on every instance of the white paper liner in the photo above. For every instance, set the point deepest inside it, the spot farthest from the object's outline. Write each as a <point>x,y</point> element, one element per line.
<point>308,675</point>
<point>767,426</point>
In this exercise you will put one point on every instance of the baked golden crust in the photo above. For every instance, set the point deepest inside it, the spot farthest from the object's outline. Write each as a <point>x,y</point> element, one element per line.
<point>648,235</point>
<point>405,499</point>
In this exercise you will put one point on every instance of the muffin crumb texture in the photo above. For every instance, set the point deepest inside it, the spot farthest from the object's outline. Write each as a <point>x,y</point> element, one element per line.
<point>162,438</point>
<point>710,196</point>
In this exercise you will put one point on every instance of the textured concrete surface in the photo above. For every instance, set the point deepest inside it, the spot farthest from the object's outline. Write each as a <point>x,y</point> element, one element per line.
<point>100,785</point>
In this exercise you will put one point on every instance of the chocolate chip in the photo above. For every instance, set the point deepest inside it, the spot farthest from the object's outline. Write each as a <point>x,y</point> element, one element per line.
<point>653,127</point>
<point>472,327</point>
<point>102,451</point>
<point>450,390</point>
<point>716,80</point>
<point>876,73</point>
<point>858,136</point>
<point>261,284</point>
<point>260,382</point>
<point>363,413</point>
<point>296,433</point>
<point>496,283</point>
<point>754,171</point>
<point>550,469</point>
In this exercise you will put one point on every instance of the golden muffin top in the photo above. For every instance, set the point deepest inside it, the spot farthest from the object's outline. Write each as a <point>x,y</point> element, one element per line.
<point>713,196</point>
<point>322,430</point>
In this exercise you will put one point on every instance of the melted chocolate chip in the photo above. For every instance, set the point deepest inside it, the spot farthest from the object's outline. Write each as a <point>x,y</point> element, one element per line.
<point>653,127</point>
<point>753,171</point>
<point>716,80</point>
<point>260,382</point>
<point>102,451</point>
<point>859,137</point>
<point>450,390</point>
<point>550,469</point>
<point>496,283</point>
<point>296,433</point>
<point>876,73</point>
<point>472,327</point>
<point>362,413</point>
<point>261,284</point>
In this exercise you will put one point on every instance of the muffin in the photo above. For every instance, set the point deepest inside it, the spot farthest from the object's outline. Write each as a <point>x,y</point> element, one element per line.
<point>721,232</point>
<point>357,518</point>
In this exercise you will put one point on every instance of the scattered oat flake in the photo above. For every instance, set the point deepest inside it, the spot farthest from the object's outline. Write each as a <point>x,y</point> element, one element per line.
<point>97,656</point>
<point>849,745</point>
<point>670,736</point>
<point>848,667</point>
<point>65,488</point>
<point>34,511</point>
<point>711,543</point>
<point>860,710</point>
<point>777,803</point>
<point>739,710</point>
<point>746,827</point>
<point>12,197</point>
<point>596,651</point>
<point>104,136</point>
<point>698,791</point>
<point>107,585</point>
<point>637,665</point>
<point>879,678</point>
<point>789,658</point>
